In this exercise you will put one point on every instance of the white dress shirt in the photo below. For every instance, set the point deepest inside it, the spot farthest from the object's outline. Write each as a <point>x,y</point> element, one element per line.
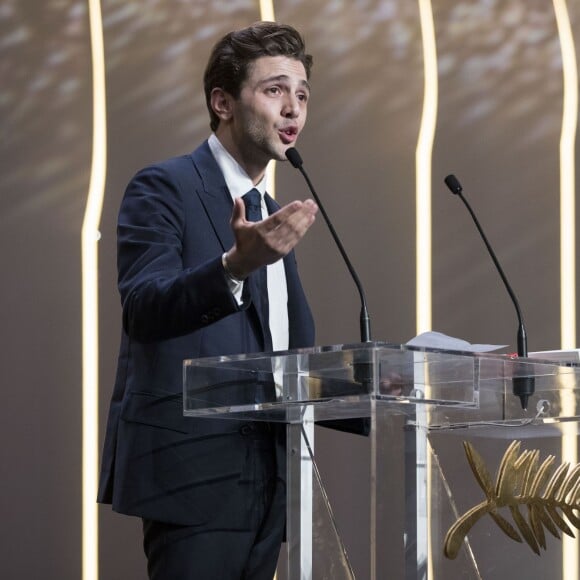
<point>239,183</point>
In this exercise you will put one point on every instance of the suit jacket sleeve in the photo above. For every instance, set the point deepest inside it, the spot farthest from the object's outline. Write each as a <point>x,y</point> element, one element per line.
<point>162,297</point>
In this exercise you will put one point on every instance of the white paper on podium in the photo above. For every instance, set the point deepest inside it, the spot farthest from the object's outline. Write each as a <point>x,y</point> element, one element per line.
<point>433,339</point>
<point>558,356</point>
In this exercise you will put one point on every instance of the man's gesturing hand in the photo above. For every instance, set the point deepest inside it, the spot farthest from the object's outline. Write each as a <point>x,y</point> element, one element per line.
<point>261,243</point>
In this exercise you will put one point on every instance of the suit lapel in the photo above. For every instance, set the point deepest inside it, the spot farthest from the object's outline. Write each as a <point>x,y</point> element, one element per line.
<point>217,202</point>
<point>214,194</point>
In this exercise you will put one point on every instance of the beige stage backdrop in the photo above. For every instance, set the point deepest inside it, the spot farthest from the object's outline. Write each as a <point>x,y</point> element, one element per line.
<point>498,126</point>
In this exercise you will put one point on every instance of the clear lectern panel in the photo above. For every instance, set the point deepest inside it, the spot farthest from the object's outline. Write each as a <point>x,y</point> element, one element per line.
<point>453,478</point>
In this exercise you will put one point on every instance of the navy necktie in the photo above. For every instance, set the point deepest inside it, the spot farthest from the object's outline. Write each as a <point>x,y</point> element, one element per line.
<point>253,203</point>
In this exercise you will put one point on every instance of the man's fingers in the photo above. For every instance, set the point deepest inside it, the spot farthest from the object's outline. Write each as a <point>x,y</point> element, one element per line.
<point>284,229</point>
<point>292,214</point>
<point>239,212</point>
<point>266,241</point>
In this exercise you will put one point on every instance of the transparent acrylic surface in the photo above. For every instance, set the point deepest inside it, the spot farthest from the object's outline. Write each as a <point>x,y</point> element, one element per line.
<point>381,505</point>
<point>486,551</point>
<point>344,381</point>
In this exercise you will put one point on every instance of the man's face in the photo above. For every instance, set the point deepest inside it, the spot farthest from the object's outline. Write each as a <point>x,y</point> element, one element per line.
<point>271,110</point>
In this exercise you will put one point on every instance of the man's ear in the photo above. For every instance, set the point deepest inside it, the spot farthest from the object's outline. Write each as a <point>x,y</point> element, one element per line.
<point>221,104</point>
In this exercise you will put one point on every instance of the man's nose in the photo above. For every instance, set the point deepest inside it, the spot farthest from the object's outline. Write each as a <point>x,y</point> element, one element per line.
<point>291,107</point>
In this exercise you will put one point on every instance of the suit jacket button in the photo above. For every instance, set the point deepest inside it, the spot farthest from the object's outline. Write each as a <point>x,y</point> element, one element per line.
<point>247,429</point>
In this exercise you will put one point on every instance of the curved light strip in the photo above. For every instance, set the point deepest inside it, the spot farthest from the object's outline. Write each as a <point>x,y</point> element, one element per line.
<point>271,178</point>
<point>90,329</point>
<point>567,250</point>
<point>567,178</point>
<point>267,10</point>
<point>267,13</point>
<point>423,160</point>
<point>423,163</point>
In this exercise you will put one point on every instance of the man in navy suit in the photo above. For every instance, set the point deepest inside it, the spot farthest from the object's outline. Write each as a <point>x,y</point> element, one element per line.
<point>192,268</point>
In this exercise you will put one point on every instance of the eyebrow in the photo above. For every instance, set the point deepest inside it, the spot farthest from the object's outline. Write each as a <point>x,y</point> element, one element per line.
<point>303,82</point>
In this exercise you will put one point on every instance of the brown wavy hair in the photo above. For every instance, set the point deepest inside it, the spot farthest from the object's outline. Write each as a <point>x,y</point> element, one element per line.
<point>231,57</point>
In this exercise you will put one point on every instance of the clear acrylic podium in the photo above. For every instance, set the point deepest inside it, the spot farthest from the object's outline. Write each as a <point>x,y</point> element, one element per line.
<point>379,505</point>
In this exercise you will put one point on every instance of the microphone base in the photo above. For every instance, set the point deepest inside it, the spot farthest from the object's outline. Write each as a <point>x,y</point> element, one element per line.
<point>524,388</point>
<point>363,367</point>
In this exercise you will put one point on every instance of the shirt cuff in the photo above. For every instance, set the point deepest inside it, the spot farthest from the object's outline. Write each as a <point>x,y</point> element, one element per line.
<point>235,285</point>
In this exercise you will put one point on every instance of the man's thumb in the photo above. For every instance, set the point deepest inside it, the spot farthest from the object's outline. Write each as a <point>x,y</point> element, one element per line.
<point>239,211</point>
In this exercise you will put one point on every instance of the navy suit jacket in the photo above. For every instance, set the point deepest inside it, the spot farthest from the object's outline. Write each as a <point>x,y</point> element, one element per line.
<point>173,229</point>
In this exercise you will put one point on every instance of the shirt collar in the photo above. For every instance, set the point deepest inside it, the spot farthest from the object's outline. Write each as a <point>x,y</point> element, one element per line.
<point>237,180</point>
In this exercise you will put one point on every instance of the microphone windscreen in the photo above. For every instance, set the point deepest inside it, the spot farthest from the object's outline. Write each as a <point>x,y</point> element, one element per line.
<point>453,184</point>
<point>294,157</point>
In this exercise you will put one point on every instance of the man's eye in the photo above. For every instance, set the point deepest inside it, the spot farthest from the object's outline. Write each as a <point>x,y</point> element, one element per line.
<point>274,90</point>
<point>303,97</point>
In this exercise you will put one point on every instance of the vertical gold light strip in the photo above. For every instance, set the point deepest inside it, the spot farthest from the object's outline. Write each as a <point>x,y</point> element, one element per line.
<point>90,329</point>
<point>267,10</point>
<point>267,13</point>
<point>570,546</point>
<point>567,178</point>
<point>423,163</point>
<point>423,160</point>
<point>271,178</point>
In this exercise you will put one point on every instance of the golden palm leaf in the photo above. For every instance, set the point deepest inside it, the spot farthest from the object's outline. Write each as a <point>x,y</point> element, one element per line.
<point>536,499</point>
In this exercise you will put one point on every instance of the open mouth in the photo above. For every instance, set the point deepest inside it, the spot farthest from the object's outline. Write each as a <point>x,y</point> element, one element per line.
<point>288,134</point>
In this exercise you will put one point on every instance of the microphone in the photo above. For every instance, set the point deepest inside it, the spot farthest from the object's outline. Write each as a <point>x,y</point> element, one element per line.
<point>523,387</point>
<point>365,322</point>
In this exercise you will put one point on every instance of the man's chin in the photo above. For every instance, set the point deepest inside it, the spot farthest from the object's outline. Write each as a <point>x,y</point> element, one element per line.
<point>278,152</point>
<point>281,154</point>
